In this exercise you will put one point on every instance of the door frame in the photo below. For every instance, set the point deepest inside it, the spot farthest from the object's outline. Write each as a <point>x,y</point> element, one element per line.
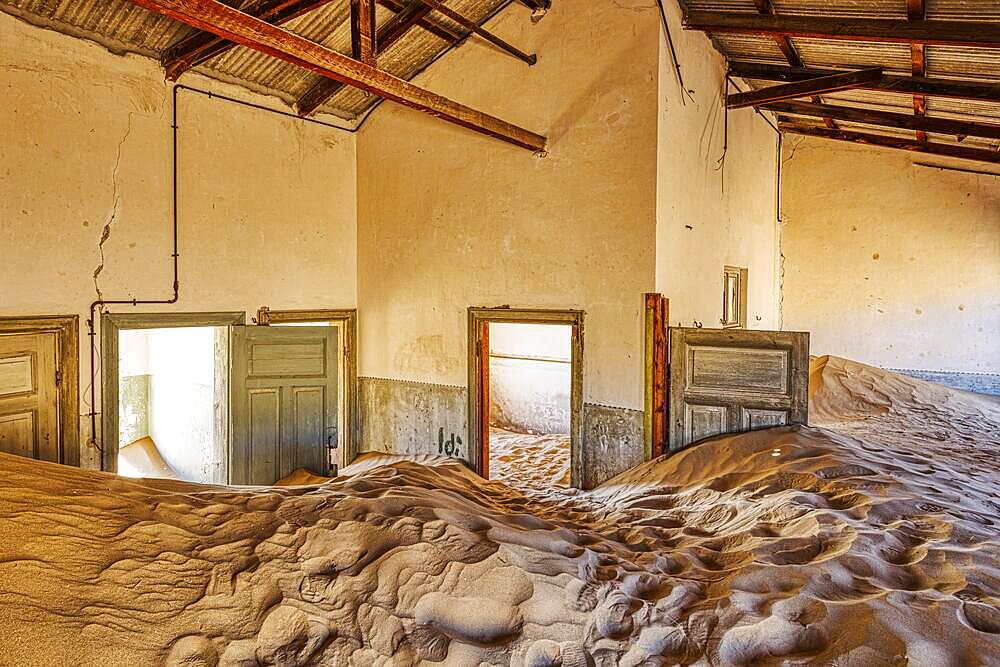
<point>112,323</point>
<point>478,366</point>
<point>67,331</point>
<point>347,320</point>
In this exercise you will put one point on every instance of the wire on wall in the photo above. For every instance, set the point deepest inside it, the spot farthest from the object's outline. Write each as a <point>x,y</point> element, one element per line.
<point>673,54</point>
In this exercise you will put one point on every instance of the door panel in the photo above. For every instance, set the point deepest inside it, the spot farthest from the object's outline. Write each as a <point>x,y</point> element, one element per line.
<point>29,396</point>
<point>729,381</point>
<point>284,401</point>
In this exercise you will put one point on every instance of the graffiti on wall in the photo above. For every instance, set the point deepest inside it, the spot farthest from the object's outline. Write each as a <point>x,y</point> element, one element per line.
<point>451,446</point>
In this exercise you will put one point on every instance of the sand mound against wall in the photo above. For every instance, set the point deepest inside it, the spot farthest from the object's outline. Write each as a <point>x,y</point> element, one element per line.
<point>787,546</point>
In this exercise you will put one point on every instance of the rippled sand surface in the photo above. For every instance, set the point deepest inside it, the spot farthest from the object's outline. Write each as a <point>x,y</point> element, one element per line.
<point>868,539</point>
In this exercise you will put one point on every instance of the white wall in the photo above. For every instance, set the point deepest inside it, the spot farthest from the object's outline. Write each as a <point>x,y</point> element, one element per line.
<point>531,377</point>
<point>267,204</point>
<point>179,365</point>
<point>712,214</point>
<point>889,263</point>
<point>182,400</point>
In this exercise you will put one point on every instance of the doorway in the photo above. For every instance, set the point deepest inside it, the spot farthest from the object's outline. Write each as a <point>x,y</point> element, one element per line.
<point>165,394</point>
<point>525,396</point>
<point>170,421</point>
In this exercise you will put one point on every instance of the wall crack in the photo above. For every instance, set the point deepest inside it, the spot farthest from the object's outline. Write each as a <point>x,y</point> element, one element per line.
<point>115,202</point>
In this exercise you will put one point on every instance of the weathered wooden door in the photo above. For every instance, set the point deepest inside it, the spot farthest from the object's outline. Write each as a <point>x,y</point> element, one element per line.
<point>29,395</point>
<point>284,396</point>
<point>730,381</point>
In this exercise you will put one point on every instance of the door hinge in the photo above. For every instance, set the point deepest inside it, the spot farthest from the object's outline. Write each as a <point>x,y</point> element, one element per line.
<point>58,377</point>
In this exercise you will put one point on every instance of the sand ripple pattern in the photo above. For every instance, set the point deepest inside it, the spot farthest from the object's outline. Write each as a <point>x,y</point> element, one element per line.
<point>871,541</point>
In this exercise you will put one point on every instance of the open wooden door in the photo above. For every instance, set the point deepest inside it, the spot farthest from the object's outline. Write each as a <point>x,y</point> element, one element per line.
<point>284,396</point>
<point>29,396</point>
<point>730,381</point>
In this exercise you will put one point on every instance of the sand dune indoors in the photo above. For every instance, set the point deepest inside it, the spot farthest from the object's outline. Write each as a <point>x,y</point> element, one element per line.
<point>870,541</point>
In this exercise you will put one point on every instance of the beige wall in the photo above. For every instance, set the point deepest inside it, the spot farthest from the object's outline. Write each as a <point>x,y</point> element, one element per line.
<point>889,263</point>
<point>267,204</point>
<point>450,219</point>
<point>731,208</point>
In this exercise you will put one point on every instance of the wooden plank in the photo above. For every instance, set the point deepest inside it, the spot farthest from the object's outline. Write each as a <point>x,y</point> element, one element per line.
<point>363,31</point>
<point>938,33</point>
<point>253,33</point>
<point>806,88</point>
<point>950,88</point>
<point>901,121</point>
<point>202,46</point>
<point>391,32</point>
<point>482,32</point>
<point>537,5</point>
<point>901,143</point>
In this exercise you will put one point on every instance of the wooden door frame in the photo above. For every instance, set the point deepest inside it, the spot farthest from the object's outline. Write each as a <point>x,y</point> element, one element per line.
<point>67,331</point>
<point>347,319</point>
<point>657,380</point>
<point>478,366</point>
<point>111,324</point>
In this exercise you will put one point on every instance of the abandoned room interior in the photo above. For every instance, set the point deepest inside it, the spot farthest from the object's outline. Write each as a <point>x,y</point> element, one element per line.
<point>499,332</point>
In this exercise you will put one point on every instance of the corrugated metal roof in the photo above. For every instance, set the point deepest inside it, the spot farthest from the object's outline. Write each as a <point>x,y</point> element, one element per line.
<point>122,26</point>
<point>965,63</point>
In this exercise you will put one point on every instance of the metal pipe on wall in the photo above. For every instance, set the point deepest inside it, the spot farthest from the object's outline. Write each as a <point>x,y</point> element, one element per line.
<point>100,303</point>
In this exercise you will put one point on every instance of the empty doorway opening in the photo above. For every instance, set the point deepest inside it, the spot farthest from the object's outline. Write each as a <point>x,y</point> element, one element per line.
<point>165,394</point>
<point>170,422</point>
<point>526,396</point>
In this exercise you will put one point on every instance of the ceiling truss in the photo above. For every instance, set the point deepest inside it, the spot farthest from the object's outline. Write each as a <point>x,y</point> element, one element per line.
<point>255,33</point>
<point>799,97</point>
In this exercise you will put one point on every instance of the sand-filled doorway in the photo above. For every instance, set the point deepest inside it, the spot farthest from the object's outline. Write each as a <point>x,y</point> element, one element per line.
<point>525,398</point>
<point>529,408</point>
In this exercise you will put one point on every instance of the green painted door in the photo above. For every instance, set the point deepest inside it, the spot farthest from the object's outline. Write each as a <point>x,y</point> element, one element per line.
<point>284,393</point>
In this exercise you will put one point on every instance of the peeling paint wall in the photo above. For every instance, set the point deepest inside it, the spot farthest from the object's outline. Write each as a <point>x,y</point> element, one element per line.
<point>413,418</point>
<point>716,191</point>
<point>267,205</point>
<point>889,263</point>
<point>450,219</point>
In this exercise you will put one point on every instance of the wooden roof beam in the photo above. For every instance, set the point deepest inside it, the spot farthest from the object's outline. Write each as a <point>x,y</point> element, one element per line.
<point>901,143</point>
<point>253,33</point>
<point>324,88</point>
<point>788,49</point>
<point>938,33</point>
<point>202,46</point>
<point>431,26</point>
<point>902,121</point>
<point>907,85</point>
<point>363,31</point>
<point>806,88</point>
<point>482,32</point>
<point>915,11</point>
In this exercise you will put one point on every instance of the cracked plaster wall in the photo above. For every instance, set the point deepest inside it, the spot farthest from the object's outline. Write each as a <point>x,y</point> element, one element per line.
<point>267,205</point>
